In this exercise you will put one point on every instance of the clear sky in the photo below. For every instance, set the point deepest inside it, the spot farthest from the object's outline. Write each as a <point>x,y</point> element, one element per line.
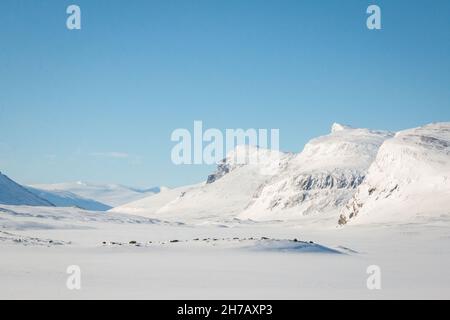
<point>100,104</point>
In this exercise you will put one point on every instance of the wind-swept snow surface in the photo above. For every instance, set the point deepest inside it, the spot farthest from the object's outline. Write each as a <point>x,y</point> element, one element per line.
<point>409,180</point>
<point>15,194</point>
<point>111,195</point>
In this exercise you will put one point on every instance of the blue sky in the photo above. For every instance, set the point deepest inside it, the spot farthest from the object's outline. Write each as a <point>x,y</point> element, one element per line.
<point>99,104</point>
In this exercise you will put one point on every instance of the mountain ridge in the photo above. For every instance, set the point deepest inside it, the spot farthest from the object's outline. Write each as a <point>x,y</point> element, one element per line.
<point>12,193</point>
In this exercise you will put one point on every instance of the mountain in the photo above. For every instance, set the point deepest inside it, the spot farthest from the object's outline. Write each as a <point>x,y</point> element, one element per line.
<point>224,195</point>
<point>373,175</point>
<point>320,179</point>
<point>111,195</point>
<point>408,181</point>
<point>12,193</point>
<point>69,199</point>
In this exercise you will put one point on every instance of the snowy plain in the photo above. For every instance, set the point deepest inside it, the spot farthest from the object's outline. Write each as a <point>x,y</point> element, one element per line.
<point>230,260</point>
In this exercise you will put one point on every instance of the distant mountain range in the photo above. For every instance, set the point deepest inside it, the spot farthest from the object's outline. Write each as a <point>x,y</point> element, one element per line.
<point>94,197</point>
<point>111,195</point>
<point>68,199</point>
<point>350,175</point>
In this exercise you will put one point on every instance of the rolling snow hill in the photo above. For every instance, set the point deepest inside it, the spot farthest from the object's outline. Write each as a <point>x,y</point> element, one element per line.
<point>408,182</point>
<point>111,195</point>
<point>12,193</point>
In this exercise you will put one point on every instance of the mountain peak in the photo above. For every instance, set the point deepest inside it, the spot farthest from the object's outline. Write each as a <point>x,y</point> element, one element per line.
<point>339,127</point>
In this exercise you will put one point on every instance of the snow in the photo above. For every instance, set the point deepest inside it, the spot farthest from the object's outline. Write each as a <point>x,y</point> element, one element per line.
<point>409,180</point>
<point>111,195</point>
<point>339,127</point>
<point>128,257</point>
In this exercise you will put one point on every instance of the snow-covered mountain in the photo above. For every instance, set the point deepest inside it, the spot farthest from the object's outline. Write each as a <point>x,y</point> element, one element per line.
<point>12,193</point>
<point>409,180</point>
<point>69,199</point>
<point>111,195</point>
<point>224,195</point>
<point>320,179</point>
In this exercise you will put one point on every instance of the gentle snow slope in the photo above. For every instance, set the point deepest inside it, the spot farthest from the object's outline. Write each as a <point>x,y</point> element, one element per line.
<point>111,195</point>
<point>320,179</point>
<point>14,194</point>
<point>409,180</point>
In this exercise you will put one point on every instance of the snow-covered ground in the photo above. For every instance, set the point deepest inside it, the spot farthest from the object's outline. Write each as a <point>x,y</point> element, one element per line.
<point>123,256</point>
